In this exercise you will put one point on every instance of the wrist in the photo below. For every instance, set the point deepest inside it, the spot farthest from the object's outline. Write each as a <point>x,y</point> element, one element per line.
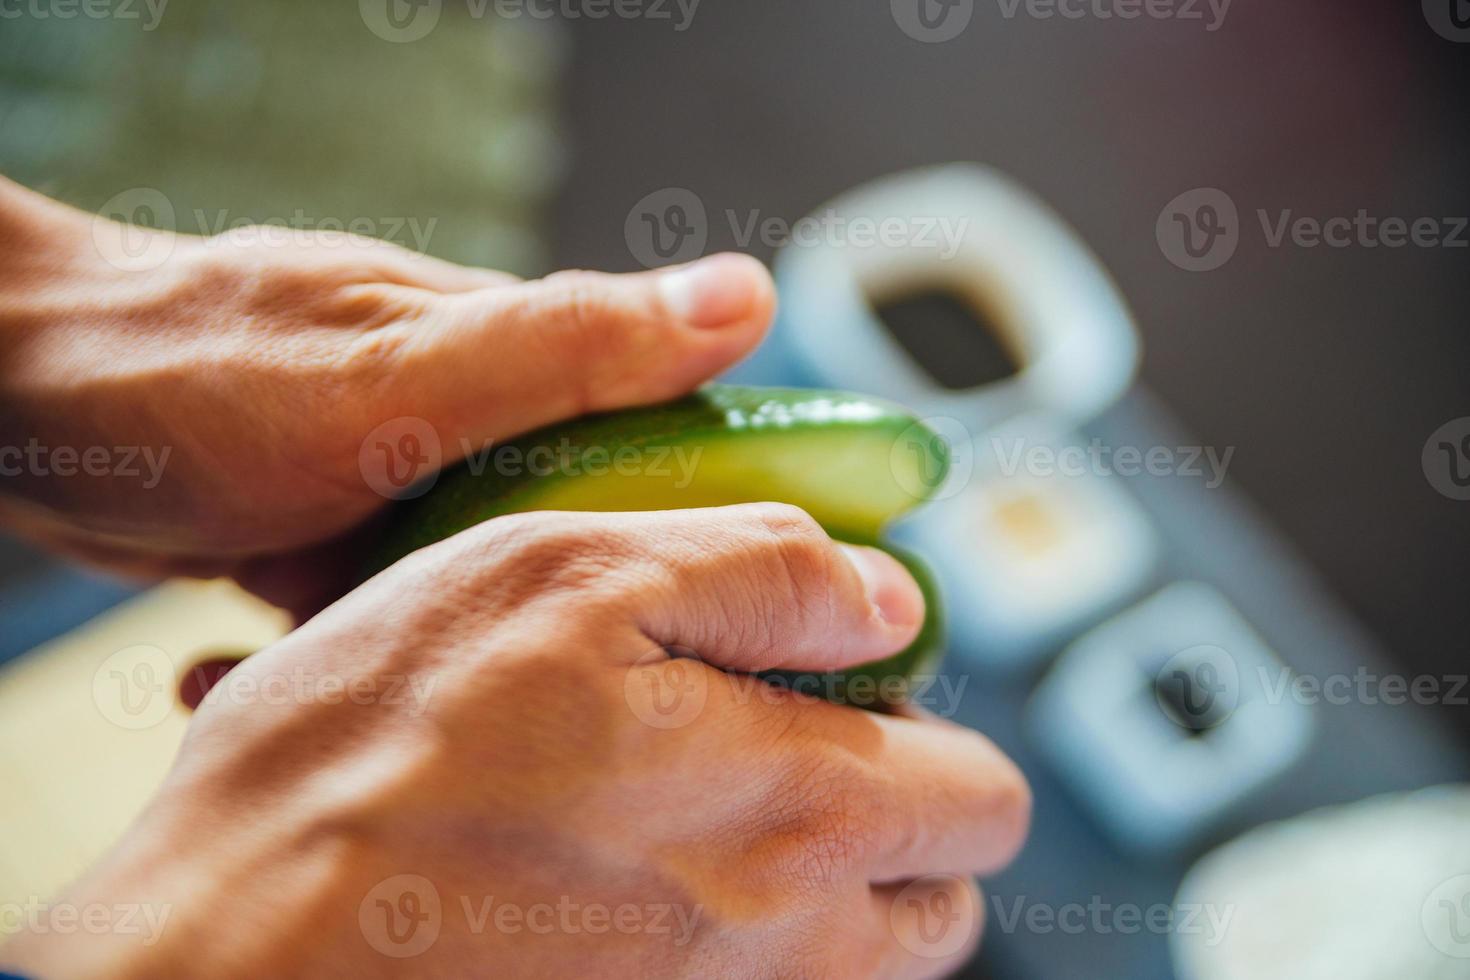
<point>166,902</point>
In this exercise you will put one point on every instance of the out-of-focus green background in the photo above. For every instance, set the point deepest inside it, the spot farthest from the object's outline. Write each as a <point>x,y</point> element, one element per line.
<point>294,112</point>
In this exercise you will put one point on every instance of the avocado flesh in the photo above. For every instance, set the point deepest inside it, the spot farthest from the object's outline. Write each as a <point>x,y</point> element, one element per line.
<point>831,453</point>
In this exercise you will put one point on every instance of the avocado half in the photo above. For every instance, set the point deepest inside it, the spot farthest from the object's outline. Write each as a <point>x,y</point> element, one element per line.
<point>854,463</point>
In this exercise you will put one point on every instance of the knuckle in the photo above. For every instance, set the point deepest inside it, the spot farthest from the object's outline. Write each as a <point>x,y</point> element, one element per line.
<point>525,556</point>
<point>797,553</point>
<point>369,359</point>
<point>784,520</point>
<point>825,828</point>
<point>598,310</point>
<point>581,302</point>
<point>585,314</point>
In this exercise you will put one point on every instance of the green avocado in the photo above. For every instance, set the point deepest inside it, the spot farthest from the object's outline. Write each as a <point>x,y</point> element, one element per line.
<point>854,463</point>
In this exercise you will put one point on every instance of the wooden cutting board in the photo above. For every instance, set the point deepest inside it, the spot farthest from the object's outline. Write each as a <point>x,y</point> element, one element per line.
<point>90,722</point>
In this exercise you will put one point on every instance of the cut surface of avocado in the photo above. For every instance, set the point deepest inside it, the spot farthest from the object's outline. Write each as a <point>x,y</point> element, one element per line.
<point>854,463</point>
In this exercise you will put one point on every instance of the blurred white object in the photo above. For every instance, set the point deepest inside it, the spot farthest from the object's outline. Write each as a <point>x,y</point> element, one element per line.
<point>1374,890</point>
<point>1027,557</point>
<point>974,232</point>
<point>1024,558</point>
<point>1167,716</point>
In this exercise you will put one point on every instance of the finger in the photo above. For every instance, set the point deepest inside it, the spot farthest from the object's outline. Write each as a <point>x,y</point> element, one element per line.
<point>427,272</point>
<point>943,797</point>
<point>365,259</point>
<point>927,927</point>
<point>750,587</point>
<point>496,362</point>
<point>761,586</point>
<point>924,795</point>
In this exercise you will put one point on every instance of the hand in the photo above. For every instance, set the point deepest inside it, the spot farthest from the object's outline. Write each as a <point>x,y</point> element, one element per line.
<point>551,793</point>
<point>226,390</point>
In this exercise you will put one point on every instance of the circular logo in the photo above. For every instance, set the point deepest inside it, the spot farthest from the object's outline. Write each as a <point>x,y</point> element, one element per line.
<point>932,21</point>
<point>134,688</point>
<point>1445,917</point>
<point>401,916</point>
<point>934,916</point>
<point>400,21</point>
<point>667,688</point>
<point>1199,230</point>
<point>1446,459</point>
<point>1450,19</point>
<point>134,230</point>
<point>933,458</point>
<point>400,459</point>
<point>667,227</point>
<point>1198,688</point>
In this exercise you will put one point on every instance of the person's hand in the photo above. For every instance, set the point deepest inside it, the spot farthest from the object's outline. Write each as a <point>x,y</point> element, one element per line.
<point>528,784</point>
<point>216,404</point>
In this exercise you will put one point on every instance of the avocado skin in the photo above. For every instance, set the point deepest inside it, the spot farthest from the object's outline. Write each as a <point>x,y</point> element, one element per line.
<point>462,499</point>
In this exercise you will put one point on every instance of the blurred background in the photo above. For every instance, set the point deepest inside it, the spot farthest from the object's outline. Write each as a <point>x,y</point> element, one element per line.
<point>527,137</point>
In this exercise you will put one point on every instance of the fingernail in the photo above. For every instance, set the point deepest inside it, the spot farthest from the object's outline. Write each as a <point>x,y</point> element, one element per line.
<point>712,292</point>
<point>890,587</point>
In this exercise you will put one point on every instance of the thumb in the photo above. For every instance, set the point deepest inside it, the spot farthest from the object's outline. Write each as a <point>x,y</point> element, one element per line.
<point>503,360</point>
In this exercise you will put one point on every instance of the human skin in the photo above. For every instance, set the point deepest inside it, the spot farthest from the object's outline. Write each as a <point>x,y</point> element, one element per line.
<point>556,710</point>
